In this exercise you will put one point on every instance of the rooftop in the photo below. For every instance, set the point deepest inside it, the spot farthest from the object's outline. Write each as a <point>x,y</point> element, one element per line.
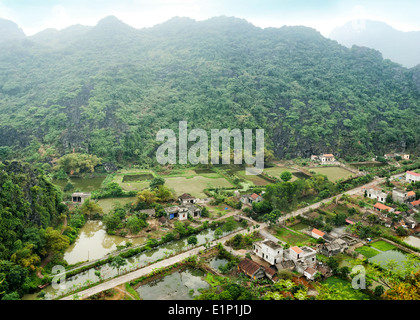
<point>413,173</point>
<point>296,249</point>
<point>316,231</point>
<point>249,266</point>
<point>381,206</point>
<point>272,244</point>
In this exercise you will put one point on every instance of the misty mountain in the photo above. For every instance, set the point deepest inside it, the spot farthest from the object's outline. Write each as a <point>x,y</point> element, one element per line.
<point>398,46</point>
<point>10,31</point>
<point>108,89</point>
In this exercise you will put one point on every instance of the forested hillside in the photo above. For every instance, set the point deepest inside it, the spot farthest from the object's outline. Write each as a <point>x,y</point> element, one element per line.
<point>106,90</point>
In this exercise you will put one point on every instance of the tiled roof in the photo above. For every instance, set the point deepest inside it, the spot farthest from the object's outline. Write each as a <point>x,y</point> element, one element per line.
<point>186,196</point>
<point>328,155</point>
<point>296,249</point>
<point>381,206</point>
<point>416,203</point>
<point>249,266</point>
<point>413,173</point>
<point>316,231</point>
<point>411,193</point>
<point>254,196</point>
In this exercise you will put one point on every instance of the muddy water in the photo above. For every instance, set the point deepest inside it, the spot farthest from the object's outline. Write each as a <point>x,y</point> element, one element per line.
<point>106,271</point>
<point>94,243</point>
<point>182,285</point>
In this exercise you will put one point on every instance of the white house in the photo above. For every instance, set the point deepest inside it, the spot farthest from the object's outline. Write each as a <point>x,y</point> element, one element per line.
<point>411,176</point>
<point>80,197</point>
<point>269,251</point>
<point>376,194</point>
<point>186,198</point>
<point>327,158</point>
<point>317,233</point>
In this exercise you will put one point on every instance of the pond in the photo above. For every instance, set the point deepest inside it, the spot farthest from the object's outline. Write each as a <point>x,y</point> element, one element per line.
<point>216,262</point>
<point>180,285</point>
<point>94,243</point>
<point>382,258</point>
<point>84,184</point>
<point>134,262</point>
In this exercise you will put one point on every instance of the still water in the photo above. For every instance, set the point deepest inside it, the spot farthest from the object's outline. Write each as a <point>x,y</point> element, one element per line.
<point>94,243</point>
<point>106,271</point>
<point>182,285</point>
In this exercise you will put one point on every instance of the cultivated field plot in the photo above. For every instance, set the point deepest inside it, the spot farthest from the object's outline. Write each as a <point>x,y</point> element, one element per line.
<point>255,179</point>
<point>134,180</point>
<point>108,204</point>
<point>276,172</point>
<point>333,173</point>
<point>195,185</point>
<point>292,238</point>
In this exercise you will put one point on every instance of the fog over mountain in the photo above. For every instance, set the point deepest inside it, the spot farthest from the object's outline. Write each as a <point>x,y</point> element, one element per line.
<point>398,46</point>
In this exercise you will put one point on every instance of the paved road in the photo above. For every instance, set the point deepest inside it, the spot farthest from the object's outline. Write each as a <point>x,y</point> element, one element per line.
<point>146,270</point>
<point>318,204</point>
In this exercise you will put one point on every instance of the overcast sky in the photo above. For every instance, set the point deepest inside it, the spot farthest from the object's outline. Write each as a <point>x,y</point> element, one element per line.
<point>36,15</point>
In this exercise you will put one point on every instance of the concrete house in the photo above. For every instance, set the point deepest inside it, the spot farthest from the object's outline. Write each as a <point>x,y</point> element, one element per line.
<point>327,158</point>
<point>335,247</point>
<point>251,198</point>
<point>80,197</point>
<point>402,196</point>
<point>186,198</point>
<point>376,194</point>
<point>411,176</point>
<point>315,233</point>
<point>379,207</point>
<point>269,251</point>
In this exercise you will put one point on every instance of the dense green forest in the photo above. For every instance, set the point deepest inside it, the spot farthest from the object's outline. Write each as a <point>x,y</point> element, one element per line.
<point>107,90</point>
<point>29,206</point>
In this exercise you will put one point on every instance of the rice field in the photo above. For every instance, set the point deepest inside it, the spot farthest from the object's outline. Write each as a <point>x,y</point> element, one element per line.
<point>333,173</point>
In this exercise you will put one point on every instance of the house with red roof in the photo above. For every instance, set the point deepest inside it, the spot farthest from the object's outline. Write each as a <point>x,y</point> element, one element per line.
<point>415,203</point>
<point>251,198</point>
<point>379,207</point>
<point>412,176</point>
<point>315,233</point>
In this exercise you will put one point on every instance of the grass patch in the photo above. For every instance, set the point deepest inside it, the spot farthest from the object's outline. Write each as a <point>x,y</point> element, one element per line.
<point>299,226</point>
<point>292,238</point>
<point>333,173</point>
<point>383,245</point>
<point>137,177</point>
<point>354,294</point>
<point>368,252</point>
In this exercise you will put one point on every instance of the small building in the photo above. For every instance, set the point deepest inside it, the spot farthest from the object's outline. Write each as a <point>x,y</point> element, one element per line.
<point>315,233</point>
<point>327,158</point>
<point>269,251</point>
<point>333,248</point>
<point>149,212</point>
<point>379,207</point>
<point>416,203</point>
<point>376,194</point>
<point>251,269</point>
<point>251,198</point>
<point>186,198</point>
<point>404,156</point>
<point>402,196</point>
<point>80,197</point>
<point>410,222</point>
<point>310,273</point>
<point>411,176</point>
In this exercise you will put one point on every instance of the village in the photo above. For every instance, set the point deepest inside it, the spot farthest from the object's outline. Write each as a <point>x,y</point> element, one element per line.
<point>302,245</point>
